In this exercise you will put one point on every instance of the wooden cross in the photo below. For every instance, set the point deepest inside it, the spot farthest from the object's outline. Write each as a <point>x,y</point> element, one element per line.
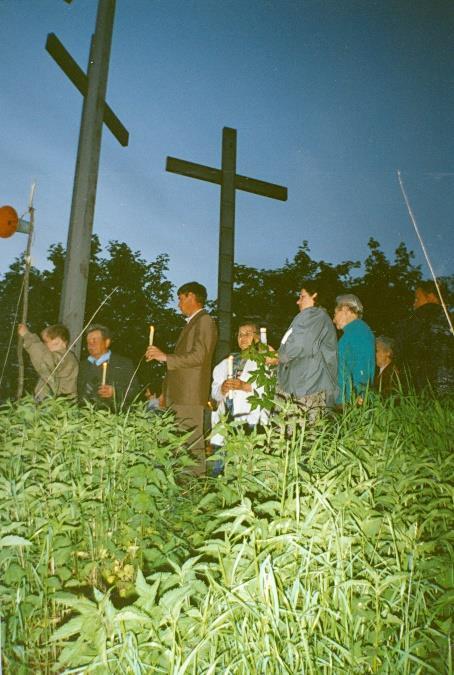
<point>229,181</point>
<point>95,111</point>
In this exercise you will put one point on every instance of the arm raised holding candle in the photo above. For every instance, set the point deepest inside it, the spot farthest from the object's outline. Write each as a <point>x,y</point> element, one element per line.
<point>155,354</point>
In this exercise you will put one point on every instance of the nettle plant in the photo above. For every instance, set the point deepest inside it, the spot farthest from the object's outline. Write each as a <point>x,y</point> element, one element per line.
<point>326,550</point>
<point>86,497</point>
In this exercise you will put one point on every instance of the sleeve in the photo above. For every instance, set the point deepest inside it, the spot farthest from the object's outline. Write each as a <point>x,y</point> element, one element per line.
<point>202,345</point>
<point>125,381</point>
<point>87,383</point>
<point>296,342</point>
<point>219,377</point>
<point>42,359</point>
<point>343,375</point>
<point>363,360</point>
<point>132,389</point>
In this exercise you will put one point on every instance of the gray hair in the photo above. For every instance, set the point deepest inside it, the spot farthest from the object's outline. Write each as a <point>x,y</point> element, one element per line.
<point>105,332</point>
<point>352,302</point>
<point>387,342</point>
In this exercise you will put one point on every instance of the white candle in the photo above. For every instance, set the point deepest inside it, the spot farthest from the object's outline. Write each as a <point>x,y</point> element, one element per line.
<point>230,366</point>
<point>104,371</point>
<point>150,339</point>
<point>263,335</point>
<point>230,372</point>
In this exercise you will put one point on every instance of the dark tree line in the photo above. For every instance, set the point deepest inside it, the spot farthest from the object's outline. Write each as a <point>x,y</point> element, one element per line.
<point>386,288</point>
<point>145,295</point>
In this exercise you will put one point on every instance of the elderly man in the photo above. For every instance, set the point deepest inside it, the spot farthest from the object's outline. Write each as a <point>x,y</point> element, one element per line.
<point>425,345</point>
<point>187,383</point>
<point>356,349</point>
<point>105,378</point>
<point>232,391</point>
<point>387,376</point>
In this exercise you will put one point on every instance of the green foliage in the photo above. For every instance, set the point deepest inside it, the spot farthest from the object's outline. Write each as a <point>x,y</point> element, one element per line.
<point>142,297</point>
<point>269,296</point>
<point>330,551</point>
<point>85,501</point>
<point>385,288</point>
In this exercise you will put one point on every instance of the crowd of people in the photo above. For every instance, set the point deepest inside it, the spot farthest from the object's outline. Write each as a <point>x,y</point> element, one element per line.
<point>313,368</point>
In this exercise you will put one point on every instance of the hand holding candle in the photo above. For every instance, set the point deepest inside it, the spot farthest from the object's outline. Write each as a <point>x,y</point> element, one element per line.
<point>230,372</point>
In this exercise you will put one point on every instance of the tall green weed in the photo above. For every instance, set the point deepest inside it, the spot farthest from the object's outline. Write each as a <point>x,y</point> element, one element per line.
<point>324,550</point>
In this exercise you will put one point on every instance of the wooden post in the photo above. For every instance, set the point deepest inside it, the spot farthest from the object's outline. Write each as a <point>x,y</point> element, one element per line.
<point>226,240</point>
<point>229,181</point>
<point>94,112</point>
<point>28,263</point>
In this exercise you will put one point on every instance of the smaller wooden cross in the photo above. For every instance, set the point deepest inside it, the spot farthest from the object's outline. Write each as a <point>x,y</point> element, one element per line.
<point>229,181</point>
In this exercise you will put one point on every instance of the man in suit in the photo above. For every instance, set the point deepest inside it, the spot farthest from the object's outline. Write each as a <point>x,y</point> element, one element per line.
<point>187,383</point>
<point>106,379</point>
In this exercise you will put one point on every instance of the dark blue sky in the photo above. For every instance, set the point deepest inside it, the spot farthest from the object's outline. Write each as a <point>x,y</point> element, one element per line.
<point>329,98</point>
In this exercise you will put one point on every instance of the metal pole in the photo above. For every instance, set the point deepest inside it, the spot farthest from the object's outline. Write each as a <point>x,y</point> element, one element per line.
<point>77,262</point>
<point>28,262</point>
<point>226,242</point>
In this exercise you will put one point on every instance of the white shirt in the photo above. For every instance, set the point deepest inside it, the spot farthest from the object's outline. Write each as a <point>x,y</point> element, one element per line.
<point>241,406</point>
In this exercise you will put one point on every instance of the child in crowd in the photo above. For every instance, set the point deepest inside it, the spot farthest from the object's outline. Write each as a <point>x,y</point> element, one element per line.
<point>56,366</point>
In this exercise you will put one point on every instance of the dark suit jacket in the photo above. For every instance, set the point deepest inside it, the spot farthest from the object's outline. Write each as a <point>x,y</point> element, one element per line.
<point>188,376</point>
<point>425,347</point>
<point>120,374</point>
<point>388,381</point>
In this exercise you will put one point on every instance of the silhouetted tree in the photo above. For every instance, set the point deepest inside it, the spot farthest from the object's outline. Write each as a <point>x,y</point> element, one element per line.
<point>387,289</point>
<point>142,297</point>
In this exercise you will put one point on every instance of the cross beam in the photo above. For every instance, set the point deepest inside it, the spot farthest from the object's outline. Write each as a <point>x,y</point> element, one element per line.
<point>95,112</point>
<point>77,76</point>
<point>229,181</point>
<point>207,173</point>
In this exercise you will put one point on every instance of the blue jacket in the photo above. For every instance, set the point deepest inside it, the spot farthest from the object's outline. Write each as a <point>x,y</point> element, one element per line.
<point>356,360</point>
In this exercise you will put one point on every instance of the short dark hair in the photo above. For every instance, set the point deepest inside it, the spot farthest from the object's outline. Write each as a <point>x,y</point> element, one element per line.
<point>251,324</point>
<point>105,332</point>
<point>312,287</point>
<point>57,330</point>
<point>199,291</point>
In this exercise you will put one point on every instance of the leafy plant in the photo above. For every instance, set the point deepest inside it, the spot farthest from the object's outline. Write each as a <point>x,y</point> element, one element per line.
<point>327,551</point>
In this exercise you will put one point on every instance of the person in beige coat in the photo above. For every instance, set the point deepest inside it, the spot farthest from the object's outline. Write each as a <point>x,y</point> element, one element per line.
<point>56,366</point>
<point>187,383</point>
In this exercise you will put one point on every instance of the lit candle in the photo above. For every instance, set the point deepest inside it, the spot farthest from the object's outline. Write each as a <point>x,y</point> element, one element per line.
<point>104,371</point>
<point>230,372</point>
<point>263,335</point>
<point>150,339</point>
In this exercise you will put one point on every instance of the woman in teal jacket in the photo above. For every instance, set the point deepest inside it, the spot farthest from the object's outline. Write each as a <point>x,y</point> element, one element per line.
<point>356,349</point>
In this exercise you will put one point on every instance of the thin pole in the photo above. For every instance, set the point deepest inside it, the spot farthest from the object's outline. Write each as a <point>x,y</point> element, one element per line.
<point>28,262</point>
<point>424,250</point>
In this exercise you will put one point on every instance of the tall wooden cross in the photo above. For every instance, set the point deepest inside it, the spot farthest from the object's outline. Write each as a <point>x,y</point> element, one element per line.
<point>229,181</point>
<point>95,111</point>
